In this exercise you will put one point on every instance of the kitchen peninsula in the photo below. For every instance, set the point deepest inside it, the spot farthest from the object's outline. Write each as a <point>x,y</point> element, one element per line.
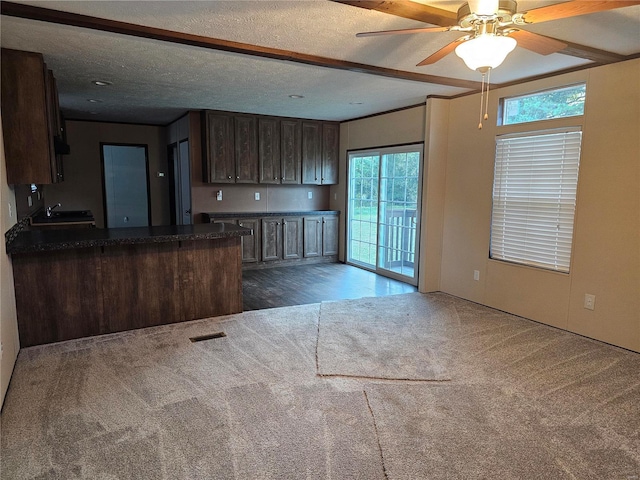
<point>75,283</point>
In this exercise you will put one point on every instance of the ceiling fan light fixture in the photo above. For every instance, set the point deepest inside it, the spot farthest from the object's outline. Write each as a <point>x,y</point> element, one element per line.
<point>484,7</point>
<point>485,51</point>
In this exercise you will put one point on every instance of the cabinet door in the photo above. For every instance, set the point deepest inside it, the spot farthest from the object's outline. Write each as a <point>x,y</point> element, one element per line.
<point>251,243</point>
<point>220,148</point>
<point>269,149</point>
<point>53,113</point>
<point>291,144</point>
<point>271,239</point>
<point>312,236</point>
<point>246,148</point>
<point>292,243</point>
<point>330,151</point>
<point>311,152</point>
<point>27,141</point>
<point>330,228</point>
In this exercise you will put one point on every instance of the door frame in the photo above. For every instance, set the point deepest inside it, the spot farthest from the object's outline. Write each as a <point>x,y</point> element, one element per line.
<point>104,187</point>
<point>381,150</point>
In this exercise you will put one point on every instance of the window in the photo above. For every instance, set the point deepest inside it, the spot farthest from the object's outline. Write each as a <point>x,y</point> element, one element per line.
<point>556,103</point>
<point>534,198</point>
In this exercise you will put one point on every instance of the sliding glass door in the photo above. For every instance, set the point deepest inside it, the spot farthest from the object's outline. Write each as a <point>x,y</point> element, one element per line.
<point>384,211</point>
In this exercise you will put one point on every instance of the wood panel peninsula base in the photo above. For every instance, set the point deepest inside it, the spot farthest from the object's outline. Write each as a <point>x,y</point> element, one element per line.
<point>72,285</point>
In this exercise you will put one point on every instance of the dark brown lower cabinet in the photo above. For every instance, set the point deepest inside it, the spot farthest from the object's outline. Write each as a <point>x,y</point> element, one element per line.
<point>330,226</point>
<point>285,240</point>
<point>320,236</point>
<point>312,236</point>
<point>78,293</point>
<point>281,238</point>
<point>251,243</point>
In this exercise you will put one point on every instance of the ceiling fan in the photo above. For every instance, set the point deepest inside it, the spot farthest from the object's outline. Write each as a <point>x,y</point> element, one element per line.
<point>493,28</point>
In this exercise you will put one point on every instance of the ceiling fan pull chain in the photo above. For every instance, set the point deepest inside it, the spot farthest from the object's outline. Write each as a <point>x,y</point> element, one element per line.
<point>486,105</point>
<point>481,102</point>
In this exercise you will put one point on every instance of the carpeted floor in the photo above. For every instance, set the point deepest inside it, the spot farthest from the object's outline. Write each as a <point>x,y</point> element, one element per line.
<point>402,387</point>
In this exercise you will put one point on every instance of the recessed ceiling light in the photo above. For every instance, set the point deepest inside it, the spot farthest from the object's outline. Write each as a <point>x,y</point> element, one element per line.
<point>296,96</point>
<point>93,100</point>
<point>94,113</point>
<point>355,103</point>
<point>102,83</point>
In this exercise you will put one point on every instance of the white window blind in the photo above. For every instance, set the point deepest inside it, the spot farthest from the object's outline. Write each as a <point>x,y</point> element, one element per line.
<point>534,198</point>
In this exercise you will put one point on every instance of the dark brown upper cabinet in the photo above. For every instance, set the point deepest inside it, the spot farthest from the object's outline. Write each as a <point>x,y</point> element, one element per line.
<point>320,147</point>
<point>31,119</point>
<point>278,149</point>
<point>219,165</point>
<point>330,153</point>
<point>246,145</point>
<point>231,148</point>
<point>272,150</point>
<point>269,149</point>
<point>311,152</point>
<point>291,156</point>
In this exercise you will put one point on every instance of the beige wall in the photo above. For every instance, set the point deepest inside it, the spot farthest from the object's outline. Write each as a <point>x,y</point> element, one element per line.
<point>8,320</point>
<point>606,252</point>
<point>241,198</point>
<point>82,187</point>
<point>457,190</point>
<point>433,193</point>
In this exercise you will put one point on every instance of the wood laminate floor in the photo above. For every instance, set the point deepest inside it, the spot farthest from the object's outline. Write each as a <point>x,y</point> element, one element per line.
<point>305,284</point>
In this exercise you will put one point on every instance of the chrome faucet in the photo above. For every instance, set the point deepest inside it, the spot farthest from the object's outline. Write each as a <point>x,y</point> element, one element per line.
<point>50,208</point>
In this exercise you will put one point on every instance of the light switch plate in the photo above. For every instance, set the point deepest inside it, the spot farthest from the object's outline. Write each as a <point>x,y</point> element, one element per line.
<point>310,195</point>
<point>256,195</point>
<point>219,195</point>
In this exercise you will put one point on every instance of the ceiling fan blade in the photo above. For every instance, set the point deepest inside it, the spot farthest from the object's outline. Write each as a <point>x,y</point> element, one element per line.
<point>440,54</point>
<point>405,9</point>
<point>403,31</point>
<point>537,43</point>
<point>573,9</point>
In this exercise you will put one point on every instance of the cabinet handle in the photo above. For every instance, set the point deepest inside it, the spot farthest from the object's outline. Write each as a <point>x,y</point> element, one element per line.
<point>281,178</point>
<point>275,178</point>
<point>229,177</point>
<point>238,177</point>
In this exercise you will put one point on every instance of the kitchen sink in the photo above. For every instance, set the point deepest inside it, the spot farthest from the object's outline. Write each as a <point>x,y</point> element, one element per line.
<point>71,213</point>
<point>62,216</point>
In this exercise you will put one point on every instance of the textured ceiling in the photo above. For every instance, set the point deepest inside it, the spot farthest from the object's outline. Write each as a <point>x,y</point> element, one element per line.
<point>155,82</point>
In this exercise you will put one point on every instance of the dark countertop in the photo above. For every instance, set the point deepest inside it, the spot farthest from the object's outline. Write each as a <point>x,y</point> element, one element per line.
<point>48,240</point>
<point>269,214</point>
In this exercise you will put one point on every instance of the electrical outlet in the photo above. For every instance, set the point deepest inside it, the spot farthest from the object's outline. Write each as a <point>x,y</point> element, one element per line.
<point>476,275</point>
<point>335,196</point>
<point>219,195</point>
<point>30,201</point>
<point>1,349</point>
<point>10,211</point>
<point>256,195</point>
<point>589,301</point>
<point>310,195</point>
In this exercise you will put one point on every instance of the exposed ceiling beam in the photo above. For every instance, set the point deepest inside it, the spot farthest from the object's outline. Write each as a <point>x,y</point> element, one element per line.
<point>406,9</point>
<point>83,21</point>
